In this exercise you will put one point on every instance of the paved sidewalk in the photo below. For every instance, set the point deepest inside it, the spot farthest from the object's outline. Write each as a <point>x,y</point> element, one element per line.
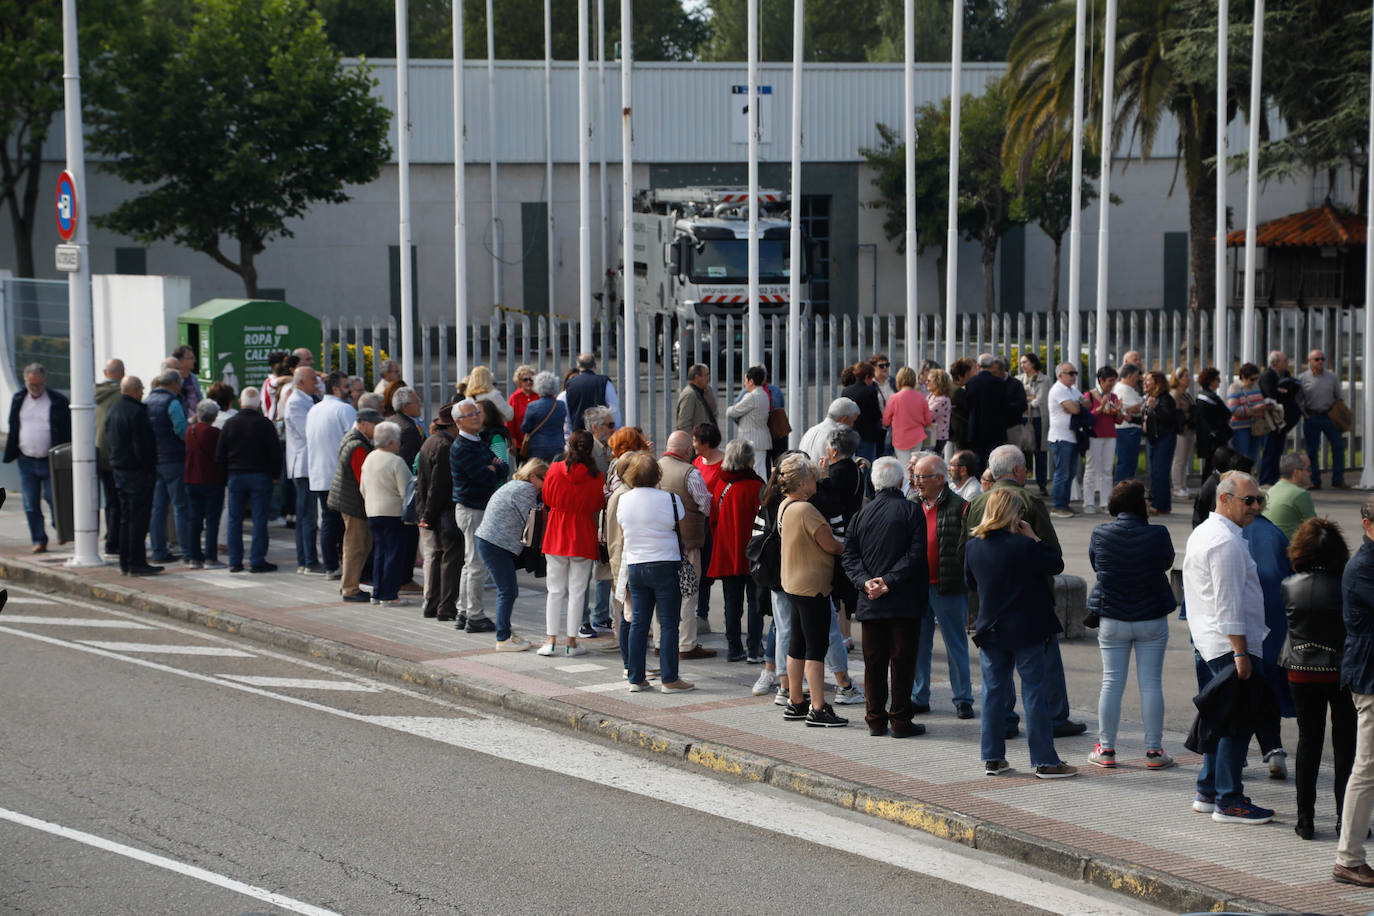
<point>1130,829</point>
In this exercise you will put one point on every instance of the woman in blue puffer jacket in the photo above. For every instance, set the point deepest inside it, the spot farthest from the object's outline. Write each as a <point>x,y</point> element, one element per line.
<point>1133,598</point>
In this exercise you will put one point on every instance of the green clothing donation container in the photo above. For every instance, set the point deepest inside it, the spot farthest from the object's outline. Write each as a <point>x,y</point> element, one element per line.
<point>233,337</point>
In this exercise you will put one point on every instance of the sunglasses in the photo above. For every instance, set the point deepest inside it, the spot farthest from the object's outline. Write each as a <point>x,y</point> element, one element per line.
<point>881,365</point>
<point>1250,500</point>
<point>1070,372</point>
<point>1318,359</point>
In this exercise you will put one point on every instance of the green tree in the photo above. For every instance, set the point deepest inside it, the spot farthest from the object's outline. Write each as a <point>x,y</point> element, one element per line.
<point>835,31</point>
<point>235,116</point>
<point>31,98</point>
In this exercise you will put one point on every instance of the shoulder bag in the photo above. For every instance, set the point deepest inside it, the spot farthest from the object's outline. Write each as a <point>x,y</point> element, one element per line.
<point>687,579</point>
<point>1340,417</point>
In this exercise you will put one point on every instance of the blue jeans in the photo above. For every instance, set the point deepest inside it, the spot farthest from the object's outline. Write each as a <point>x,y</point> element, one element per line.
<point>1055,688</point>
<point>740,590</point>
<point>999,695</point>
<point>653,586</point>
<point>1116,638</point>
<point>598,609</point>
<point>500,562</point>
<point>950,612</point>
<point>254,490</point>
<point>1242,441</point>
<point>1313,428</point>
<point>169,488</point>
<point>388,550</point>
<point>1127,453</point>
<point>36,482</point>
<point>1065,469</point>
<point>1274,444</point>
<point>1159,458</point>
<point>206,502</point>
<point>1221,772</point>
<point>307,523</point>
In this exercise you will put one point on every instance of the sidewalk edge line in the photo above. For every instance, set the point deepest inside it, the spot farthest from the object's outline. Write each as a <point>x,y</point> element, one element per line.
<point>1129,879</point>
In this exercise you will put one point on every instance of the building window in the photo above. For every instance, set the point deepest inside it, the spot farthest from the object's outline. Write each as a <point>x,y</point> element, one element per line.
<point>131,261</point>
<point>815,222</point>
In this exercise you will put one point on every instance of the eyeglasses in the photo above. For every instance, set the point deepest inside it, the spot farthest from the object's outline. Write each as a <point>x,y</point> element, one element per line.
<point>1069,372</point>
<point>881,365</point>
<point>1249,500</point>
<point>1317,359</point>
<point>468,416</point>
<point>920,477</point>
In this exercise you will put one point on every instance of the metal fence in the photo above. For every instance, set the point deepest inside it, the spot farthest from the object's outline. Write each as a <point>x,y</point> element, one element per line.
<point>35,327</point>
<point>1165,339</point>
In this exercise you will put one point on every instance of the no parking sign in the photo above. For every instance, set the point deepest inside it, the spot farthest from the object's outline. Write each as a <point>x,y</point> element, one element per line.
<point>66,206</point>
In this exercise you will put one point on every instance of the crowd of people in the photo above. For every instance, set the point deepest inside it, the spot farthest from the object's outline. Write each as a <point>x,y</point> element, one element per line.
<point>909,507</point>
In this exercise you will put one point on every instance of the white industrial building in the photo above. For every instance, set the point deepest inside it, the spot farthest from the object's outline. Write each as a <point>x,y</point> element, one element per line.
<point>343,260</point>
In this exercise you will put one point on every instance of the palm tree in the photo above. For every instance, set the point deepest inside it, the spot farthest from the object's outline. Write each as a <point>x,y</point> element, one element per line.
<point>1161,73</point>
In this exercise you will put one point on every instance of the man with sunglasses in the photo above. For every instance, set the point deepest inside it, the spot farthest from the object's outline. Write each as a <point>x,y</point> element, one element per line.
<point>1221,589</point>
<point>1320,392</point>
<point>1063,402</point>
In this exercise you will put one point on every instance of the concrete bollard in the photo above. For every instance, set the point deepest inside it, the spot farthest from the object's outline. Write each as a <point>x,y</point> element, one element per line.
<point>1071,604</point>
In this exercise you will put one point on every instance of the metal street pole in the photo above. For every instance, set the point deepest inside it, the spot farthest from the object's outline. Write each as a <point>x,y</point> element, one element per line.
<point>1247,325</point>
<point>1220,344</point>
<point>629,348</point>
<point>755,315</point>
<point>1073,349</point>
<point>584,191</point>
<point>602,190</point>
<point>794,349</point>
<point>85,503</point>
<point>548,151</point>
<point>909,128</point>
<point>403,170</point>
<point>460,200</point>
<point>952,218</point>
<point>496,290</point>
<point>1104,201</point>
<point>1367,475</point>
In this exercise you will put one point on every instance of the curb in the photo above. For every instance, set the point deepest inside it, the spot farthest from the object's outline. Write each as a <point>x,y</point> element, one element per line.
<point>1133,880</point>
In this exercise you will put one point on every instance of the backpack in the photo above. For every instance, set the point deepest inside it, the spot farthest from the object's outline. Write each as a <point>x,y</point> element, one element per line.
<point>764,552</point>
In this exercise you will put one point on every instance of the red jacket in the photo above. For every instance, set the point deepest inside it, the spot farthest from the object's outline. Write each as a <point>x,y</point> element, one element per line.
<point>201,440</point>
<point>573,497</point>
<point>519,402</point>
<point>734,503</point>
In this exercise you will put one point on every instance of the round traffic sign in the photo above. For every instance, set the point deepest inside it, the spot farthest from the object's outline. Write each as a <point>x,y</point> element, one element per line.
<point>66,206</point>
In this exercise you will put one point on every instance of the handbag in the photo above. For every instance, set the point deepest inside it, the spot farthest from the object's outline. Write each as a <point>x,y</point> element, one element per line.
<point>779,427</point>
<point>1022,435</point>
<point>524,450</point>
<point>410,513</point>
<point>1340,416</point>
<point>1265,424</point>
<point>687,579</point>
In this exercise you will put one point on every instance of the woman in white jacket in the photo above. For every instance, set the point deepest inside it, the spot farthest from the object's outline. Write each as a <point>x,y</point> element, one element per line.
<point>383,484</point>
<point>751,413</point>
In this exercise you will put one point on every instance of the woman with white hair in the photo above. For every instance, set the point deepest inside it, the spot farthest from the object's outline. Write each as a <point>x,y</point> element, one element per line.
<point>383,486</point>
<point>544,419</point>
<point>205,480</point>
<point>734,503</point>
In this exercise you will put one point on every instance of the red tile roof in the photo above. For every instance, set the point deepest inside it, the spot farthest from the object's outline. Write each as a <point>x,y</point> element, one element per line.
<point>1309,229</point>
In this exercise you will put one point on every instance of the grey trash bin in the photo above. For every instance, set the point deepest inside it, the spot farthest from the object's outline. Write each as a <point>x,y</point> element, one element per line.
<point>60,467</point>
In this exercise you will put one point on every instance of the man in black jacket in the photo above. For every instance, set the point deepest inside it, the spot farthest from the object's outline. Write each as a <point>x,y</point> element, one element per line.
<point>988,411</point>
<point>885,558</point>
<point>440,538</point>
<point>1277,383</point>
<point>250,453</point>
<point>39,419</point>
<point>132,451</point>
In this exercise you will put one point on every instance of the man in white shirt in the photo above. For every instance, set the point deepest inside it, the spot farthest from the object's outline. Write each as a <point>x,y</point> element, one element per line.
<point>842,412</point>
<point>963,475</point>
<point>1064,401</point>
<point>1225,607</point>
<point>295,416</point>
<point>39,419</point>
<point>387,372</point>
<point>1129,432</point>
<point>325,426</point>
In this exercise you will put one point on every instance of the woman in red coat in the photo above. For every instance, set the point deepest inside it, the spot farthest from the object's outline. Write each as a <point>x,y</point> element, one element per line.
<point>573,493</point>
<point>520,400</point>
<point>734,503</point>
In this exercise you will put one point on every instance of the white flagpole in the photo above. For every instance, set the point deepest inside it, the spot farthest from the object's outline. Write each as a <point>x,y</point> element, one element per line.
<point>496,291</point>
<point>548,152</point>
<point>755,316</point>
<point>1220,344</point>
<point>629,351</point>
<point>1104,201</point>
<point>602,190</point>
<point>952,214</point>
<point>794,351</point>
<point>1073,348</point>
<point>1367,475</point>
<point>584,203</point>
<point>460,198</point>
<point>403,163</point>
<point>1247,342</point>
<point>909,131</point>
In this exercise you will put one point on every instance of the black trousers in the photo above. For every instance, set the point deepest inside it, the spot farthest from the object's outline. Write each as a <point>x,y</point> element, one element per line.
<point>810,637</point>
<point>331,532</point>
<point>135,489</point>
<point>112,513</point>
<point>1312,702</point>
<point>890,651</point>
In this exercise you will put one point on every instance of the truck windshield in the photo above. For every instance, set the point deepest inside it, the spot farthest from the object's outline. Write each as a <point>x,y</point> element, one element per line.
<point>727,261</point>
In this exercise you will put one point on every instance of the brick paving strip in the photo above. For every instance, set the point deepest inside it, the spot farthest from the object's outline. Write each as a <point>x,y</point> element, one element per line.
<point>1129,830</point>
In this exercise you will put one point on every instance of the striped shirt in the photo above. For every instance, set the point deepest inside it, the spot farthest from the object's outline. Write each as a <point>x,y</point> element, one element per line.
<point>1245,404</point>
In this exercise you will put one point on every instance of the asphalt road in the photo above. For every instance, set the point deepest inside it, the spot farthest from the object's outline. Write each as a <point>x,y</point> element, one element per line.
<point>153,768</point>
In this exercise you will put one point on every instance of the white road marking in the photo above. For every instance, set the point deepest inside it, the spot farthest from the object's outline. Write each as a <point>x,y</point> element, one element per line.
<point>159,649</point>
<point>101,622</point>
<point>744,804</point>
<point>16,599</point>
<point>172,865</point>
<point>299,683</point>
<point>580,669</point>
<point>220,579</point>
<point>610,687</point>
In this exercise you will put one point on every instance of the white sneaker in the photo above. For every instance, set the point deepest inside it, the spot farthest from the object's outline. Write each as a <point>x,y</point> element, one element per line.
<point>516,643</point>
<point>767,681</point>
<point>547,649</point>
<point>1089,509</point>
<point>571,651</point>
<point>849,696</point>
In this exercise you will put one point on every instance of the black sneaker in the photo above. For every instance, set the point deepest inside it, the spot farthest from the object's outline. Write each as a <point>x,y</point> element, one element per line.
<point>461,623</point>
<point>1069,729</point>
<point>824,718</point>
<point>920,709</point>
<point>586,632</point>
<point>908,730</point>
<point>481,625</point>
<point>236,567</point>
<point>357,598</point>
<point>263,567</point>
<point>963,710</point>
<point>995,767</point>
<point>795,712</point>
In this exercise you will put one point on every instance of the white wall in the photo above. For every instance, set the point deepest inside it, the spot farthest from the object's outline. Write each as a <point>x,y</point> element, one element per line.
<point>135,319</point>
